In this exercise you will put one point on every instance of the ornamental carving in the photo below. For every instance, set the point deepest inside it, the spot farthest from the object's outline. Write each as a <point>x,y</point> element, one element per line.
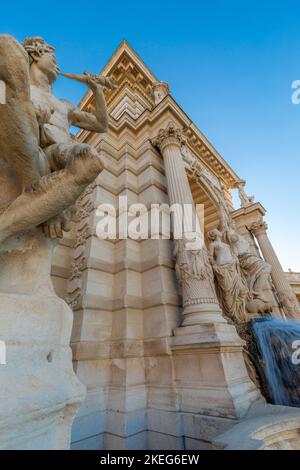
<point>189,265</point>
<point>171,134</point>
<point>84,211</point>
<point>194,275</point>
<point>82,235</point>
<point>77,266</point>
<point>259,227</point>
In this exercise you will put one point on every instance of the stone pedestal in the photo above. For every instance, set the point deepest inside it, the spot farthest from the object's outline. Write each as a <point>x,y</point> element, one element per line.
<point>210,371</point>
<point>40,394</point>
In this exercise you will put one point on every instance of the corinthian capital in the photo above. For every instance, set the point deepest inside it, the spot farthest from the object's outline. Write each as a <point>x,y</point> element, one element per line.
<point>258,227</point>
<point>169,136</point>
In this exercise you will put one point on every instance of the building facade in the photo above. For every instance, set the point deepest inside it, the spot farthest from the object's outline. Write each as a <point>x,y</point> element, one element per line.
<point>163,367</point>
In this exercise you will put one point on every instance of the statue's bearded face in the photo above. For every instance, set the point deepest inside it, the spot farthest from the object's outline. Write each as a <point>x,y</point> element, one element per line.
<point>48,65</point>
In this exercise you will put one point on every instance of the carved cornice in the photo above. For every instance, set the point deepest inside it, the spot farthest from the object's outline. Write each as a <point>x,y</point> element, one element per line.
<point>213,160</point>
<point>172,135</point>
<point>255,211</point>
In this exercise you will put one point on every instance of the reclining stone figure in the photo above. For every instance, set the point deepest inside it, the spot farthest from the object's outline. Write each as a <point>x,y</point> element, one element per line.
<point>42,170</point>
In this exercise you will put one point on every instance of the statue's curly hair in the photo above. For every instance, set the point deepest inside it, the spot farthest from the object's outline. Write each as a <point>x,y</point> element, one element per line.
<point>36,47</point>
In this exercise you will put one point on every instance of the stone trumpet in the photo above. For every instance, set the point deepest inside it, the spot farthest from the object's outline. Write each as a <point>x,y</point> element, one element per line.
<point>86,77</point>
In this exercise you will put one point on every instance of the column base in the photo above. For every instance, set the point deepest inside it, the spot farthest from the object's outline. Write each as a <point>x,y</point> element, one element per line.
<point>202,313</point>
<point>216,381</point>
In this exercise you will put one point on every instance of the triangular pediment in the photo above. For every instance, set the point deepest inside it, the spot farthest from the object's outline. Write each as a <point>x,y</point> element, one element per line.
<point>140,97</point>
<point>135,81</point>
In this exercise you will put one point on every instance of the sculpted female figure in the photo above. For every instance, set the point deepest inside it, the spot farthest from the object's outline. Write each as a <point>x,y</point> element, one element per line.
<point>231,289</point>
<point>42,170</point>
<point>255,270</point>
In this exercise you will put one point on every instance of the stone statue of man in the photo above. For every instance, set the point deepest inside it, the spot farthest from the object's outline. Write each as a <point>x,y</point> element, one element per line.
<point>42,169</point>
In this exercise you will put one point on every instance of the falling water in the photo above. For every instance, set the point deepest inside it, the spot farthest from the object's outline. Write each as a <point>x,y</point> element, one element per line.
<point>279,345</point>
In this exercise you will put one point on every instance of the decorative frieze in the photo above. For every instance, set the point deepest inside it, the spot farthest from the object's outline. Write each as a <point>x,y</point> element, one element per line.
<point>85,208</point>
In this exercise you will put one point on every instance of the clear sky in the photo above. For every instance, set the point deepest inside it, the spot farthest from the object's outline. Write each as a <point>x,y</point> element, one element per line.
<point>230,65</point>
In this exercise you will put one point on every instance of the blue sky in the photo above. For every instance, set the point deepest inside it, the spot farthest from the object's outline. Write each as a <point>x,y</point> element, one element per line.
<point>230,65</point>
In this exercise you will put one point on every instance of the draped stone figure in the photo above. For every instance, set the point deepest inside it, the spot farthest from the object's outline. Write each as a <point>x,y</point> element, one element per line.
<point>255,270</point>
<point>230,286</point>
<point>42,173</point>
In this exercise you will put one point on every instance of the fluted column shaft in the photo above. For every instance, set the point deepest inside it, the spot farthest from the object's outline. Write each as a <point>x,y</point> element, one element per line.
<point>285,293</point>
<point>193,269</point>
<point>177,180</point>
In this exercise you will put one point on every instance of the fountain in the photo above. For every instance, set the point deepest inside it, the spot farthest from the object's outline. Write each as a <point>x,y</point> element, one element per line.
<point>280,359</point>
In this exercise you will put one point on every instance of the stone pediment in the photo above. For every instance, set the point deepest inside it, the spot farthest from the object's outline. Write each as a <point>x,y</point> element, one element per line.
<point>135,84</point>
<point>141,98</point>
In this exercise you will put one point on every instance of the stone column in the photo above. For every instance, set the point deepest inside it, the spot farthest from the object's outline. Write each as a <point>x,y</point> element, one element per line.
<point>199,297</point>
<point>285,294</point>
<point>215,382</point>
